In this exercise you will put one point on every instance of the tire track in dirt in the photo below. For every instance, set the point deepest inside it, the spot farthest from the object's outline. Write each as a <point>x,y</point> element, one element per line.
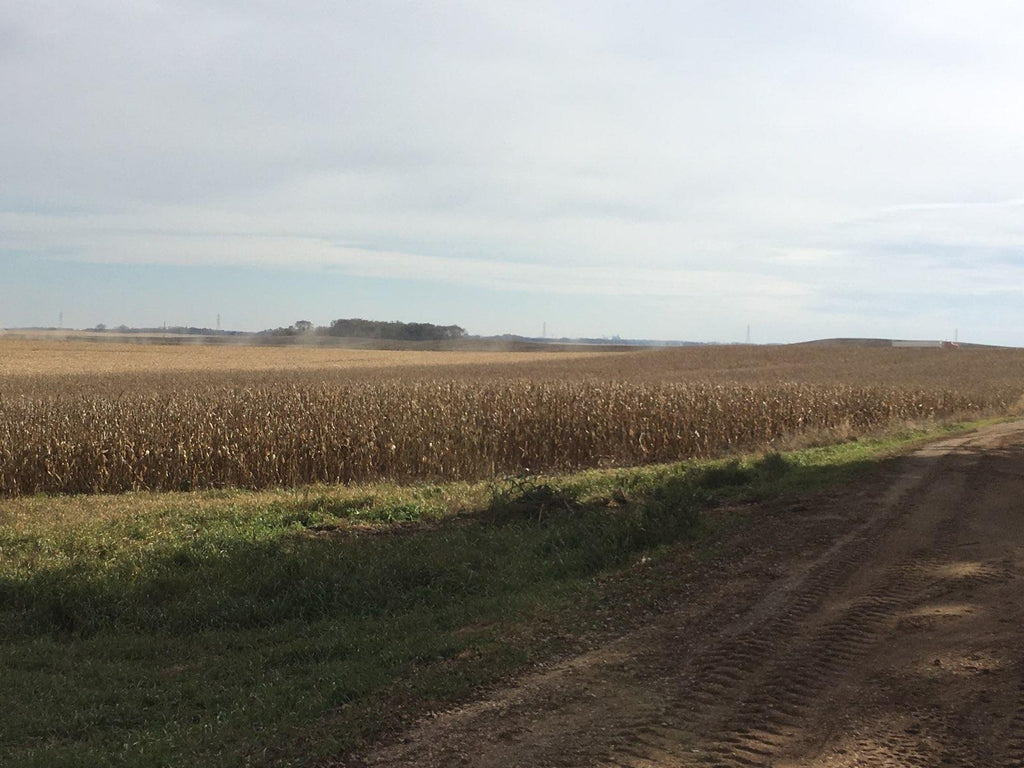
<point>1013,753</point>
<point>809,672</point>
<point>938,693</point>
<point>743,707</point>
<point>795,682</point>
<point>778,693</point>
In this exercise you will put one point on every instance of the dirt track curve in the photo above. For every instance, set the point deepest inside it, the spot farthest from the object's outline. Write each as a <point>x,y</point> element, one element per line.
<point>880,626</point>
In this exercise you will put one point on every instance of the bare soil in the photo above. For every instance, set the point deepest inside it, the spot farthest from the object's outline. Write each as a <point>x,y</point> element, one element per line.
<point>879,625</point>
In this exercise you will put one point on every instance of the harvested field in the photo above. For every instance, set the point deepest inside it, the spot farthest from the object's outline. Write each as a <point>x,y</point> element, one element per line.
<point>971,369</point>
<point>47,357</point>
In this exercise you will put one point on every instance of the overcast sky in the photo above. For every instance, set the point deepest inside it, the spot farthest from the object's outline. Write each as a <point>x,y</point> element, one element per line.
<point>672,170</point>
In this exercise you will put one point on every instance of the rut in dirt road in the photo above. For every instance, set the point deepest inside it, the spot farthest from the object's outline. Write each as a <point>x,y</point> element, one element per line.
<point>896,640</point>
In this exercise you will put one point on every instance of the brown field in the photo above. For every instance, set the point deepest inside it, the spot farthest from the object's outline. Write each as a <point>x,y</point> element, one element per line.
<point>51,356</point>
<point>120,364</point>
<point>84,417</point>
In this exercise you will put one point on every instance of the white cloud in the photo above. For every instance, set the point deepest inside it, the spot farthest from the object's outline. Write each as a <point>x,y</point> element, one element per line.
<point>796,151</point>
<point>95,241</point>
<point>982,229</point>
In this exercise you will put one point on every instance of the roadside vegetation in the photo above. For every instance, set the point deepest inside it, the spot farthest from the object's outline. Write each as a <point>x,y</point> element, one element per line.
<point>277,628</point>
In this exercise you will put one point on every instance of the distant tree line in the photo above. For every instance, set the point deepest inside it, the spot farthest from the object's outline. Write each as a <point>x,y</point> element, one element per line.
<point>358,328</point>
<point>377,329</point>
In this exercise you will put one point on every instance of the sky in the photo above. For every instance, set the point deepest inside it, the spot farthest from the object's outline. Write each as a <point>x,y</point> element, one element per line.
<point>663,170</point>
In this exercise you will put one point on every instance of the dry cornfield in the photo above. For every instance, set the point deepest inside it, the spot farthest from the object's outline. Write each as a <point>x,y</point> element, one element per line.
<point>174,432</point>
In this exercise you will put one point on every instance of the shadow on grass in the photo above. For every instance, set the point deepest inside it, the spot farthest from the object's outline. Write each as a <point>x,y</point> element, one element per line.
<point>225,583</point>
<point>530,534</point>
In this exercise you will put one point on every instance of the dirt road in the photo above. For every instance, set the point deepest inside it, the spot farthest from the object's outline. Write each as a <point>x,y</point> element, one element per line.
<point>880,626</point>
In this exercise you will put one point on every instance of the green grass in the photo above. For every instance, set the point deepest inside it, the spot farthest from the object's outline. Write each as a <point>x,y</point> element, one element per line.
<point>234,628</point>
